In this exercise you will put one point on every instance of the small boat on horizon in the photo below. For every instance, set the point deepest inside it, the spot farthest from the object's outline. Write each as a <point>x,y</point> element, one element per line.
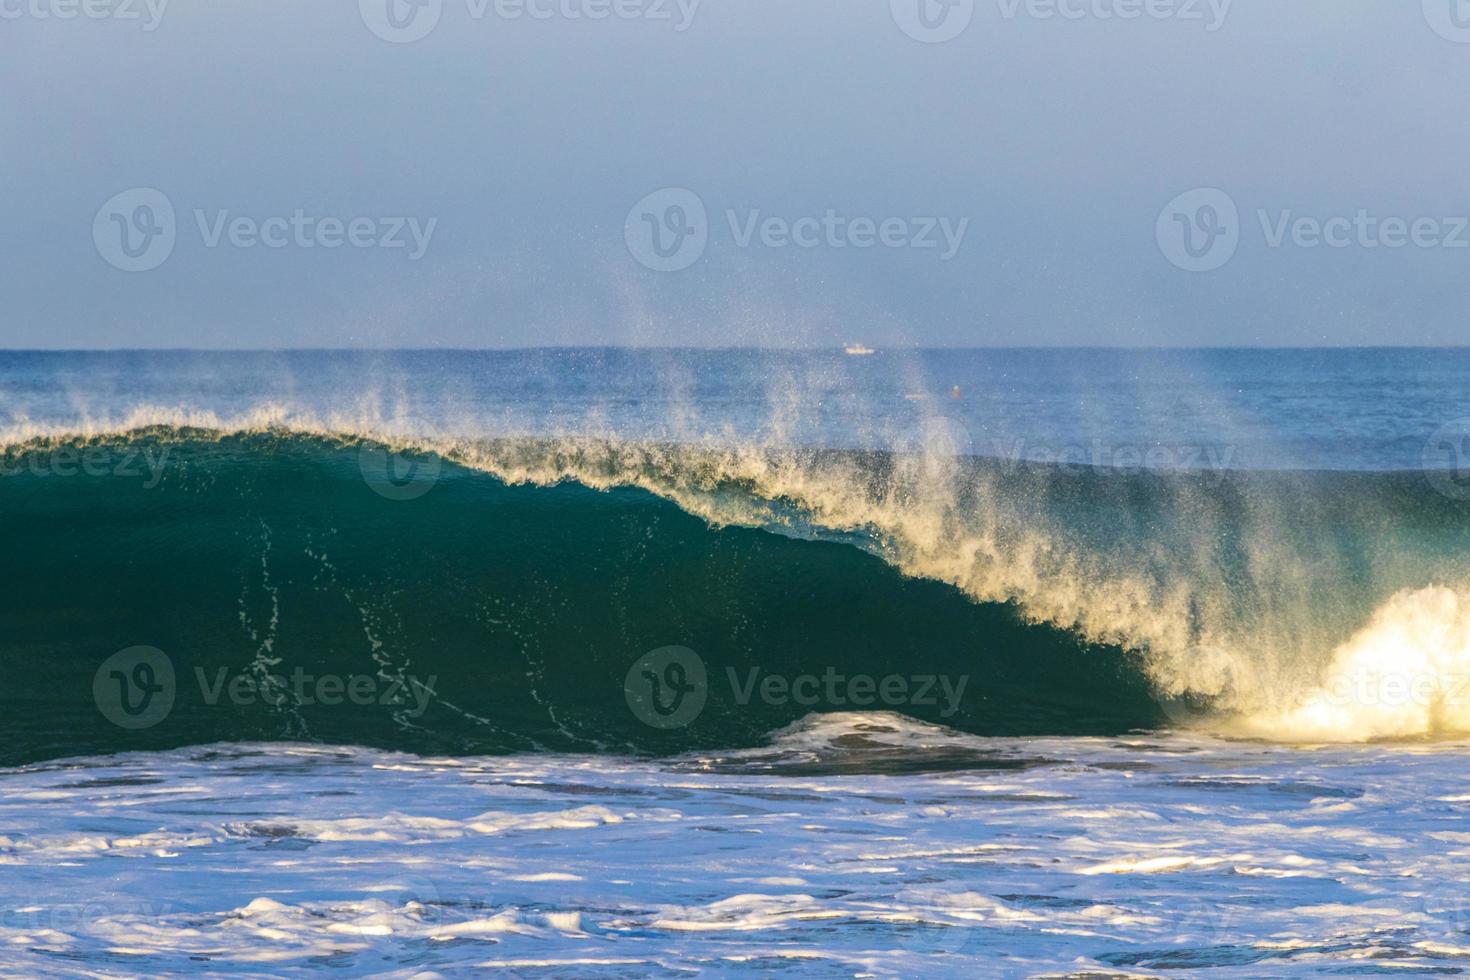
<point>858,350</point>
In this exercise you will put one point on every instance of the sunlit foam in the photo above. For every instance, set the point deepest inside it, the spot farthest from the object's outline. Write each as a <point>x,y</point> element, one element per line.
<point>1407,673</point>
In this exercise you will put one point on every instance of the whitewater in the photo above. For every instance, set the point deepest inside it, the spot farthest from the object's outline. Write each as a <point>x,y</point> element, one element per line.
<point>1138,857</point>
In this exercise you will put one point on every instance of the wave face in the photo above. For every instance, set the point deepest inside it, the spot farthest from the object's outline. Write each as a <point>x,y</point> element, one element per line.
<point>478,617</point>
<point>492,595</point>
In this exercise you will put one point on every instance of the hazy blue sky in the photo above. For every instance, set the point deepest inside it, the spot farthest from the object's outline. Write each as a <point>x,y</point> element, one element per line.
<point>1053,142</point>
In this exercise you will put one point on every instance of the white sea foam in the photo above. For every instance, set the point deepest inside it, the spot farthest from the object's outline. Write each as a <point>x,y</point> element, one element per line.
<point>1214,857</point>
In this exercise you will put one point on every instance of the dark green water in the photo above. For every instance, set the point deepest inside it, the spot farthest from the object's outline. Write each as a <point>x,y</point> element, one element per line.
<point>525,605</point>
<point>481,617</point>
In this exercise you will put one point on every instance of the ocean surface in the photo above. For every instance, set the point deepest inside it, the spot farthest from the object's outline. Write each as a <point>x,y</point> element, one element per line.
<point>1074,663</point>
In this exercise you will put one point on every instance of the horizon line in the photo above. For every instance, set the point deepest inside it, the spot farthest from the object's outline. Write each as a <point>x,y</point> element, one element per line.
<point>914,348</point>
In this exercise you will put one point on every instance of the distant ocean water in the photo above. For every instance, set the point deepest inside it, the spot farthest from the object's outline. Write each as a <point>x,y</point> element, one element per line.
<point>1035,606</point>
<point>1348,409</point>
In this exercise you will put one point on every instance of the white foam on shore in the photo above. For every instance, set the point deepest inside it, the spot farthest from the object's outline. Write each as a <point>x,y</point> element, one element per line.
<point>1166,852</point>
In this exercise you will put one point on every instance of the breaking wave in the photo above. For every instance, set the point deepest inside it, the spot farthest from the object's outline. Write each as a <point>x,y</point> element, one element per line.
<point>527,574</point>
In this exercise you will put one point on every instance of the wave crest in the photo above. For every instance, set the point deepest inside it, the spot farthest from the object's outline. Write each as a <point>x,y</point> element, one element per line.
<point>1244,589</point>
